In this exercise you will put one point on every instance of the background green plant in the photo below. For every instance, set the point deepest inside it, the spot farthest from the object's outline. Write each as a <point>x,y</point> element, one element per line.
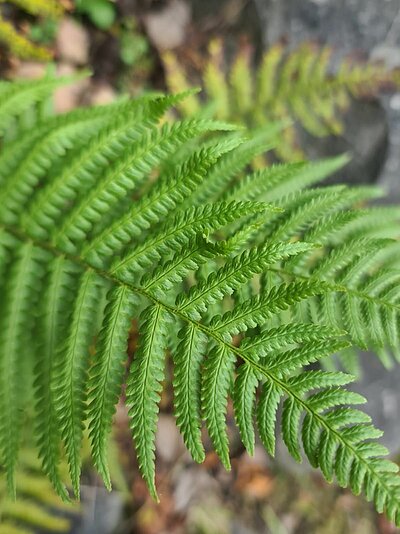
<point>37,507</point>
<point>297,86</point>
<point>20,45</point>
<point>101,12</point>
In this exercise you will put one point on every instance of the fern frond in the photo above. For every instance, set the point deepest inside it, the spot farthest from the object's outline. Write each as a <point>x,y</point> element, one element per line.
<point>26,511</point>
<point>169,192</point>
<point>267,408</point>
<point>328,443</point>
<point>164,277</point>
<point>79,175</point>
<point>244,401</point>
<point>266,75</point>
<point>366,304</point>
<point>289,360</point>
<point>240,81</point>
<point>32,144</point>
<point>303,208</point>
<point>259,183</point>
<point>51,148</point>
<point>37,507</point>
<point>255,311</point>
<point>275,182</point>
<point>215,81</point>
<point>236,290</point>
<point>376,221</point>
<point>283,336</point>
<point>17,97</point>
<point>178,82</point>
<point>232,163</point>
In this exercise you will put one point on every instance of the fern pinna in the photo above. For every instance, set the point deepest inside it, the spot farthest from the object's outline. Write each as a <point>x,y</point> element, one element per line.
<point>110,214</point>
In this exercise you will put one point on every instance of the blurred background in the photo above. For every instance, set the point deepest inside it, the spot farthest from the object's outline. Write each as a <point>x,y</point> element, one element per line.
<point>331,69</point>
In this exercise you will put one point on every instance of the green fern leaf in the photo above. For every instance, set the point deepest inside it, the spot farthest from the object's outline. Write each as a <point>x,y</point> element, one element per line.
<point>266,415</point>
<point>17,97</point>
<point>188,358</point>
<point>235,274</point>
<point>184,227</point>
<point>70,376</point>
<point>169,192</point>
<point>127,174</point>
<point>107,372</point>
<point>217,380</point>
<point>52,330</point>
<point>174,271</point>
<point>290,425</point>
<point>144,387</point>
<point>79,175</point>
<point>233,163</point>
<point>244,397</point>
<point>257,310</point>
<point>285,361</point>
<point>19,299</point>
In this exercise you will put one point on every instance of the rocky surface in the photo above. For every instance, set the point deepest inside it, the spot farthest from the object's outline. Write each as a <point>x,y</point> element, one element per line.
<point>167,27</point>
<point>346,24</point>
<point>72,42</point>
<point>382,386</point>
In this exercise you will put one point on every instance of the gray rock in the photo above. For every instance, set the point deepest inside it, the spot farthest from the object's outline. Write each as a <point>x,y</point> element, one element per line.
<point>346,24</point>
<point>102,511</point>
<point>387,54</point>
<point>169,443</point>
<point>72,42</point>
<point>194,484</point>
<point>365,138</point>
<point>208,517</point>
<point>381,387</point>
<point>238,528</point>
